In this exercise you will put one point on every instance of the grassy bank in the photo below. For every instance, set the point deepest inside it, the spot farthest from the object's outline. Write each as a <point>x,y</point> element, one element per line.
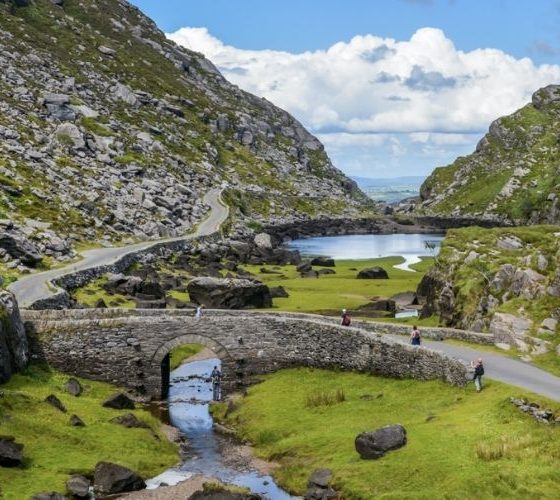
<point>182,353</point>
<point>460,444</point>
<point>331,292</point>
<point>54,450</point>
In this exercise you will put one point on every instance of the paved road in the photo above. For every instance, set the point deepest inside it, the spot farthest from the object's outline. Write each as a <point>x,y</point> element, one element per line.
<point>35,286</point>
<point>502,368</point>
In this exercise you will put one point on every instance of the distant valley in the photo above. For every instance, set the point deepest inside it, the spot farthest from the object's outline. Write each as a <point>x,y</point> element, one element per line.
<point>390,190</point>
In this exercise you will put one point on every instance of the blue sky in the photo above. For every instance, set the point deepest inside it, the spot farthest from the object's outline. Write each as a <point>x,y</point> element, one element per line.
<point>412,98</point>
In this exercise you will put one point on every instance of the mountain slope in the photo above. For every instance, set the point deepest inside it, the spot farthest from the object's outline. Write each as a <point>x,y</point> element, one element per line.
<point>109,131</point>
<point>513,176</point>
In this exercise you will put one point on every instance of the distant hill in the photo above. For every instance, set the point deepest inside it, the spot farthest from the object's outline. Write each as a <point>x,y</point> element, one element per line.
<point>390,190</point>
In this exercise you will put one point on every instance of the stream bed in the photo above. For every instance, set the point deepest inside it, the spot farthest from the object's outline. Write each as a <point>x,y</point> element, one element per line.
<point>190,393</point>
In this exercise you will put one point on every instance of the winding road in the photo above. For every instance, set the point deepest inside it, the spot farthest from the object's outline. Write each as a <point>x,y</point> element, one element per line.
<point>500,367</point>
<point>38,286</point>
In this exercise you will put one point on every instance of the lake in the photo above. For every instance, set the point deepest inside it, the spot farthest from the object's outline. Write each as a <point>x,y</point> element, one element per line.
<point>368,246</point>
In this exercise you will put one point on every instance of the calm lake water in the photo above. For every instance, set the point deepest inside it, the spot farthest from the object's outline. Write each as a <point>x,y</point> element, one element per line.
<point>368,246</point>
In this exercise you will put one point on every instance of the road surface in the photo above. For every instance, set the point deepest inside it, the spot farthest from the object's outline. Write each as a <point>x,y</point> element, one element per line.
<point>502,368</point>
<point>37,286</point>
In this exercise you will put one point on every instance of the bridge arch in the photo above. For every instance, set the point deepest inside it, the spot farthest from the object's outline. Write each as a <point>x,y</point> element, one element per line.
<point>161,358</point>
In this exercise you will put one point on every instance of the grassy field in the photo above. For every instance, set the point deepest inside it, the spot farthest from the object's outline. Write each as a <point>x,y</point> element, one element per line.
<point>460,444</point>
<point>332,292</point>
<point>54,450</point>
<point>183,352</point>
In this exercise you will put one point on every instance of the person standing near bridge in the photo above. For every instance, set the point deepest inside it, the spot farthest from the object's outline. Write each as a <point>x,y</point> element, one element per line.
<point>415,336</point>
<point>478,372</point>
<point>198,312</point>
<point>216,377</point>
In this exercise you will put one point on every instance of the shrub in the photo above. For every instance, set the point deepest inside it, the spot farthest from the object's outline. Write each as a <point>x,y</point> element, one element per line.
<point>323,398</point>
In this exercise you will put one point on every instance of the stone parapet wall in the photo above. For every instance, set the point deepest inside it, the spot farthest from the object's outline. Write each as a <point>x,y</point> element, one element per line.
<point>128,347</point>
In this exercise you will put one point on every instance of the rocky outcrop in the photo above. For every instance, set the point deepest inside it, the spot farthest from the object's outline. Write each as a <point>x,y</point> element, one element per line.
<point>14,350</point>
<point>373,273</point>
<point>480,274</point>
<point>220,293</point>
<point>78,486</point>
<point>515,161</point>
<point>11,453</point>
<point>375,444</point>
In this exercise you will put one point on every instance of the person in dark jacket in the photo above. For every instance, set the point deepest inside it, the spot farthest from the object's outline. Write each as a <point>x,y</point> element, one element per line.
<point>346,319</point>
<point>478,372</point>
<point>216,377</point>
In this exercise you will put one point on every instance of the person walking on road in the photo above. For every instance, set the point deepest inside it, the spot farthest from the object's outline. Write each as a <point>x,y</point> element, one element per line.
<point>478,372</point>
<point>216,377</point>
<point>415,336</point>
<point>198,312</point>
<point>346,318</point>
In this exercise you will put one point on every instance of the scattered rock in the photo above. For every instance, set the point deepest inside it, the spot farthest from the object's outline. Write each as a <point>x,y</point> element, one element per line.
<point>549,324</point>
<point>106,50</point>
<point>78,486</point>
<point>119,401</point>
<point>110,479</point>
<point>323,262</point>
<point>130,420</point>
<point>304,267</point>
<point>509,243</point>
<point>263,240</point>
<point>375,444</point>
<point>11,453</point>
<point>318,485</point>
<point>73,387</point>
<point>373,273</point>
<point>14,348</point>
<point>76,421</point>
<point>55,402</point>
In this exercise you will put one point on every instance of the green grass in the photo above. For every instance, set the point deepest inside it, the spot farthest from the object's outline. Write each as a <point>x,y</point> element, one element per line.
<point>54,450</point>
<point>474,445</point>
<point>94,291</point>
<point>330,293</point>
<point>182,353</point>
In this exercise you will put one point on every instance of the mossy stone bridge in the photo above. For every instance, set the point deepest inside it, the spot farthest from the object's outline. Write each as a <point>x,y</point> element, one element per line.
<point>131,347</point>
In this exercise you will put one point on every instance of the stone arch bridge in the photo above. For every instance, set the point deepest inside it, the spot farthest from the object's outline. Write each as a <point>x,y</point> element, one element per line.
<point>130,347</point>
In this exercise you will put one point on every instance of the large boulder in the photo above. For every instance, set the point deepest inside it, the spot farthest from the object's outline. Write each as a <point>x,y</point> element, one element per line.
<point>375,444</point>
<point>18,246</point>
<point>373,273</point>
<point>263,240</point>
<point>229,293</point>
<point>110,479</point>
<point>11,453</point>
<point>14,349</point>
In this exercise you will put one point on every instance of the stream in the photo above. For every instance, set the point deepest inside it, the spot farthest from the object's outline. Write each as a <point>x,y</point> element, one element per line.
<point>190,392</point>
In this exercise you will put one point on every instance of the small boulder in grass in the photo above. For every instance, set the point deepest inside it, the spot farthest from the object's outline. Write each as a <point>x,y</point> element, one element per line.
<point>73,387</point>
<point>111,479</point>
<point>49,495</point>
<point>119,401</point>
<point>375,444</point>
<point>55,402</point>
<point>76,421</point>
<point>130,420</point>
<point>11,453</point>
<point>78,486</point>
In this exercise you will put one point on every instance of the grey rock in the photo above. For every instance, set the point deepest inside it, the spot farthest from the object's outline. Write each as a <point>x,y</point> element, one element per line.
<point>373,273</point>
<point>263,240</point>
<point>278,292</point>
<point>304,267</point>
<point>78,486</point>
<point>375,444</point>
<point>18,246</point>
<point>509,243</point>
<point>49,495</point>
<point>14,348</point>
<point>108,51</point>
<point>130,420</point>
<point>11,453</point>
<point>323,262</point>
<point>119,401</point>
<point>229,293</point>
<point>110,479</point>
<point>55,403</point>
<point>69,133</point>
<point>73,387</point>
<point>76,421</point>
<point>549,324</point>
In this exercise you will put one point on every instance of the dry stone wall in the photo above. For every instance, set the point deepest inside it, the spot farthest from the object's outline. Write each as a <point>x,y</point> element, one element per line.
<point>130,347</point>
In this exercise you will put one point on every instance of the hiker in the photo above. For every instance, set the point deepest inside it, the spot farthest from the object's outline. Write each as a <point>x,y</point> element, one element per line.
<point>478,372</point>
<point>198,312</point>
<point>346,318</point>
<point>415,336</point>
<point>216,376</point>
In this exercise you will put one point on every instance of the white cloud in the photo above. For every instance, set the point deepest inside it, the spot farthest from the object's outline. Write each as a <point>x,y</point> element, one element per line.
<point>371,85</point>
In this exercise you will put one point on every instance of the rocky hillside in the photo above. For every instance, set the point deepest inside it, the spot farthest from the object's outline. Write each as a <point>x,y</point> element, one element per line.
<point>504,280</point>
<point>513,177</point>
<point>110,132</point>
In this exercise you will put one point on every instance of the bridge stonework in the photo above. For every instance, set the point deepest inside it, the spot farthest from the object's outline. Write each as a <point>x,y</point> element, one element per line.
<point>130,347</point>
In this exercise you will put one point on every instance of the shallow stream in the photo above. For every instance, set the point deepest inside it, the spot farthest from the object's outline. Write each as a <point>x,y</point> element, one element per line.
<point>190,393</point>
